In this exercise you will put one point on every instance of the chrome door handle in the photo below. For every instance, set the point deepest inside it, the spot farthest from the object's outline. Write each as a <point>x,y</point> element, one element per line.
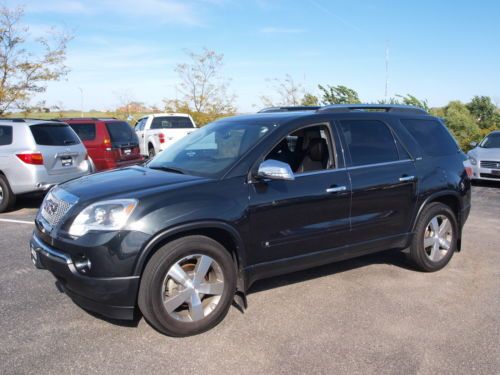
<point>406,178</point>
<point>336,189</point>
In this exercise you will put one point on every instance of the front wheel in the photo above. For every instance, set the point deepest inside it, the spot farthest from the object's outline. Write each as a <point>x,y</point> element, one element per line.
<point>187,286</point>
<point>435,238</point>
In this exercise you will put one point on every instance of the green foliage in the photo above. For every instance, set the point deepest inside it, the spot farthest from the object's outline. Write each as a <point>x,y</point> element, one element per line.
<point>338,95</point>
<point>409,99</point>
<point>23,73</point>
<point>200,118</point>
<point>309,99</point>
<point>484,112</point>
<point>461,123</point>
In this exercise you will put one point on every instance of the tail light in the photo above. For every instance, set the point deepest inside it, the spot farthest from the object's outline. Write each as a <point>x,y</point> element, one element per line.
<point>468,168</point>
<point>161,136</point>
<point>34,158</point>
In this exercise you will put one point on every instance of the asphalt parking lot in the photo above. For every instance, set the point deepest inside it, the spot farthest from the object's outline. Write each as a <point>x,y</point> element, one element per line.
<point>369,315</point>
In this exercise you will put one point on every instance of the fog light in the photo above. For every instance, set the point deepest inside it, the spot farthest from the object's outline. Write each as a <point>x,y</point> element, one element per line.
<point>83,265</point>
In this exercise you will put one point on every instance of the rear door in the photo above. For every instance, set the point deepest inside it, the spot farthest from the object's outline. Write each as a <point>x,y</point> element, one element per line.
<point>383,179</point>
<point>60,146</point>
<point>124,141</point>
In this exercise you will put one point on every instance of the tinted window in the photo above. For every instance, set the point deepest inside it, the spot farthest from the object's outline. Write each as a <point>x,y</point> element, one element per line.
<point>5,135</point>
<point>140,124</point>
<point>491,141</point>
<point>86,132</point>
<point>432,136</point>
<point>121,132</point>
<point>54,135</point>
<point>369,142</point>
<point>171,122</point>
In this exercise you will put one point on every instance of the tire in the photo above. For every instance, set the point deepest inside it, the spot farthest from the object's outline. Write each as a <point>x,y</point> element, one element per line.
<point>7,197</point>
<point>169,285</point>
<point>151,152</point>
<point>432,249</point>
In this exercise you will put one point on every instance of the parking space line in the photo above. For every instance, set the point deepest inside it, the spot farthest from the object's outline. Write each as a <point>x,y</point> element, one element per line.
<point>17,221</point>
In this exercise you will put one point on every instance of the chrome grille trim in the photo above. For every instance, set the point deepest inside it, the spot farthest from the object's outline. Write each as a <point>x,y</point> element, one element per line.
<point>490,164</point>
<point>56,205</point>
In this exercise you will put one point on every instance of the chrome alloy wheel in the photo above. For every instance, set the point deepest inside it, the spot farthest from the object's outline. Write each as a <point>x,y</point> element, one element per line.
<point>192,288</point>
<point>1,194</point>
<point>437,238</point>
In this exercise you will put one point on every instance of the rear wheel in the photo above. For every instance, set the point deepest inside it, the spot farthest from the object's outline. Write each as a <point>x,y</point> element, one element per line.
<point>151,152</point>
<point>7,197</point>
<point>435,238</point>
<point>187,286</point>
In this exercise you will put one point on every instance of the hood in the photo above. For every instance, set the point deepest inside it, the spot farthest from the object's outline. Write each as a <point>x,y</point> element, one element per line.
<point>486,153</point>
<point>131,181</point>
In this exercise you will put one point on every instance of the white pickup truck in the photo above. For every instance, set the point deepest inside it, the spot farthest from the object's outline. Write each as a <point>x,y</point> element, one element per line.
<point>158,131</point>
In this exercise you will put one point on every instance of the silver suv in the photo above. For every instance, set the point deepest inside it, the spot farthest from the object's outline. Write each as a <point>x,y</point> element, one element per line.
<point>35,155</point>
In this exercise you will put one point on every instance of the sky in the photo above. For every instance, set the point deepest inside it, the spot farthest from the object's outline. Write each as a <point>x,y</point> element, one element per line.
<point>438,50</point>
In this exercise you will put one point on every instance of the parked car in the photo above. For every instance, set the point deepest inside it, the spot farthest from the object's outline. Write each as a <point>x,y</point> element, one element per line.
<point>111,143</point>
<point>250,197</point>
<point>158,131</point>
<point>35,155</point>
<point>485,158</point>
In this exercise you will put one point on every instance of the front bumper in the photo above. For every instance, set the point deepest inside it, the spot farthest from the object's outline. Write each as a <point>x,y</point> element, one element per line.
<point>488,174</point>
<point>113,297</point>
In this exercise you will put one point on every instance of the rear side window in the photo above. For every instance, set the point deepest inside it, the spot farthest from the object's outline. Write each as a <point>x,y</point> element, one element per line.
<point>432,137</point>
<point>171,122</point>
<point>54,135</point>
<point>369,142</point>
<point>5,135</point>
<point>86,132</point>
<point>121,132</point>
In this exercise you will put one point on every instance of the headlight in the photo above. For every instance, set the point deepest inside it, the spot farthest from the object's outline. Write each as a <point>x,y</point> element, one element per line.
<point>105,215</point>
<point>473,160</point>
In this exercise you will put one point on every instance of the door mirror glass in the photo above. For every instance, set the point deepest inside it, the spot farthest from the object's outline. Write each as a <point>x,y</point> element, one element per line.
<point>275,170</point>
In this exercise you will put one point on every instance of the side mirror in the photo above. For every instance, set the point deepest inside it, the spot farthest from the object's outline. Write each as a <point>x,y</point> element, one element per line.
<point>275,170</point>
<point>473,144</point>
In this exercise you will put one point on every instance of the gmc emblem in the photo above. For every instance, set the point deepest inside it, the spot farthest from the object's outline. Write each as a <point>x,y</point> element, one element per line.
<point>50,206</point>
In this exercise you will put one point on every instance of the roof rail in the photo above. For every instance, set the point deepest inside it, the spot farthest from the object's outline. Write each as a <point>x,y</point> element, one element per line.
<point>24,119</point>
<point>375,107</point>
<point>290,109</point>
<point>86,118</point>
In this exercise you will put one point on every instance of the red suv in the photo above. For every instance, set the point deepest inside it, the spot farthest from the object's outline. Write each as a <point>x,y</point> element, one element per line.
<point>111,143</point>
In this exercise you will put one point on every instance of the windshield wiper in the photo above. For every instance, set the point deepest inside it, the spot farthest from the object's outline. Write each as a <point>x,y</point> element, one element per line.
<point>167,169</point>
<point>69,142</point>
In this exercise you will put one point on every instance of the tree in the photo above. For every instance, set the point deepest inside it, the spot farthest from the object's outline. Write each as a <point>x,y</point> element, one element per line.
<point>309,99</point>
<point>483,110</point>
<point>23,73</point>
<point>461,123</point>
<point>288,92</point>
<point>204,88</point>
<point>409,99</point>
<point>338,95</point>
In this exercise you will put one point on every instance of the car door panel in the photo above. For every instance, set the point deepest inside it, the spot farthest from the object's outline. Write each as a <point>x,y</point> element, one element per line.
<point>294,218</point>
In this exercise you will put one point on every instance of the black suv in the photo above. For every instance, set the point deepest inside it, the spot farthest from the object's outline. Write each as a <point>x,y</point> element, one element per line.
<point>250,197</point>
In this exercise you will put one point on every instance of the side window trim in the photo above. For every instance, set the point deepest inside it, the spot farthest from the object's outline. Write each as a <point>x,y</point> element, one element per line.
<point>331,149</point>
<point>347,152</point>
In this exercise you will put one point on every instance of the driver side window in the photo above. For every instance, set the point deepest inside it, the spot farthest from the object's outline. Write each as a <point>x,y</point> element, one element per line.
<point>305,150</point>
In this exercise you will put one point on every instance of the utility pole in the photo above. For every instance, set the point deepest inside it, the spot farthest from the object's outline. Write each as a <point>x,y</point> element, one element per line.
<point>81,101</point>
<point>386,70</point>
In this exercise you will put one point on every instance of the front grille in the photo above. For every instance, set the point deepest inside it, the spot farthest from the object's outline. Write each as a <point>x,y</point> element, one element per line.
<point>54,208</point>
<point>490,164</point>
<point>489,175</point>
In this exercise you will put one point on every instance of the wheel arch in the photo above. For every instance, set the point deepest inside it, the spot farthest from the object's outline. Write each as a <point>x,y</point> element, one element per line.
<point>451,199</point>
<point>221,232</point>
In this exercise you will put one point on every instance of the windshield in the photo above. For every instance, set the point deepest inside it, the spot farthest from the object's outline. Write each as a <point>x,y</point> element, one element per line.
<point>211,149</point>
<point>491,141</point>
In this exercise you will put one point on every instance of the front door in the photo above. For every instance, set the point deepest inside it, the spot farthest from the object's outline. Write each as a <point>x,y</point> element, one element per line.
<point>310,214</point>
